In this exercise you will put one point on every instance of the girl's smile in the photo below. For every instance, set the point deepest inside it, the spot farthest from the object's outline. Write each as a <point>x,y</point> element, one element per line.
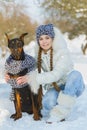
<point>45,42</point>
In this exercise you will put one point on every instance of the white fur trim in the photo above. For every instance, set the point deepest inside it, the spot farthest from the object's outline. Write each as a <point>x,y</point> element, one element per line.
<point>58,113</point>
<point>66,100</point>
<point>63,109</point>
<point>33,82</point>
<point>58,42</point>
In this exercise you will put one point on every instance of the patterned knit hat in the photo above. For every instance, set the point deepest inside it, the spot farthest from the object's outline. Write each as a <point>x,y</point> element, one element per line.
<point>45,30</point>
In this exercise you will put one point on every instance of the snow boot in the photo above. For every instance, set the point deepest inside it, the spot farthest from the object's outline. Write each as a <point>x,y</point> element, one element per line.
<point>61,111</point>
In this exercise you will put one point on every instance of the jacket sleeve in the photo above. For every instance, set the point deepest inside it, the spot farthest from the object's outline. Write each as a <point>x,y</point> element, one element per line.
<point>61,68</point>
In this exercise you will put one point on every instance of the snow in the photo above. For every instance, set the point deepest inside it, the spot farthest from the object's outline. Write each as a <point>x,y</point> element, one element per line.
<point>78,118</point>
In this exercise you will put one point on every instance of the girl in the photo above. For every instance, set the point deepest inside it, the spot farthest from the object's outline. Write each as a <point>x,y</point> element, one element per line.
<point>55,74</point>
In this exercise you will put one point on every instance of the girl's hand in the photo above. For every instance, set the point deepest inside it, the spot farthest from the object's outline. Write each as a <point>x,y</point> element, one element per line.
<point>22,80</point>
<point>7,77</point>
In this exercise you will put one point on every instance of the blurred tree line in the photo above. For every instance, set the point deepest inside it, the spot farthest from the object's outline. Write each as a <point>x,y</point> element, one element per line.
<point>14,22</point>
<point>69,15</point>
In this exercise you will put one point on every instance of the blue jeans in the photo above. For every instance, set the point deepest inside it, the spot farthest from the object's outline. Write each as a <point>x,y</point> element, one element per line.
<point>73,87</point>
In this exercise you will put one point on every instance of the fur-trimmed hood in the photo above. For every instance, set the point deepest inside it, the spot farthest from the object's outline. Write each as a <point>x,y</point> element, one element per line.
<point>62,64</point>
<point>58,42</point>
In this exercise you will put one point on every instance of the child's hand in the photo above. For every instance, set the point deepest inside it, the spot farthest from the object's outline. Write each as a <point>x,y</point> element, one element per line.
<point>7,77</point>
<point>22,80</point>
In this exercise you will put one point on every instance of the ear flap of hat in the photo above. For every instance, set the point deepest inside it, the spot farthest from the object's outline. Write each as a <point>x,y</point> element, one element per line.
<point>22,36</point>
<point>7,37</point>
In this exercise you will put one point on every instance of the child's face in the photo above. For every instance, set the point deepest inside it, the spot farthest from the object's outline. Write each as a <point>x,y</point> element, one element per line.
<point>45,42</point>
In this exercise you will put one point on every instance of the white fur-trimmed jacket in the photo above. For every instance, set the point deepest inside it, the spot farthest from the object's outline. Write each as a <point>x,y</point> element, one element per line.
<point>62,65</point>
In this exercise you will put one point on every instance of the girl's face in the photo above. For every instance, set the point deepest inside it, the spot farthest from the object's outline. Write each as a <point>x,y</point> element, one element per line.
<point>45,42</point>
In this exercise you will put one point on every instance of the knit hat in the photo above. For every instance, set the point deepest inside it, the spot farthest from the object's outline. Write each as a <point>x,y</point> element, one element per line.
<point>45,30</point>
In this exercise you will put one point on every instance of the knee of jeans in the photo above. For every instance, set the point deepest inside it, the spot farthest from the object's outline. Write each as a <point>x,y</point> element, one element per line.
<point>76,73</point>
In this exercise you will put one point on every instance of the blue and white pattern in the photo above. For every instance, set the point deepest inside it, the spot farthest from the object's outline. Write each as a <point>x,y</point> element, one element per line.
<point>15,66</point>
<point>45,30</point>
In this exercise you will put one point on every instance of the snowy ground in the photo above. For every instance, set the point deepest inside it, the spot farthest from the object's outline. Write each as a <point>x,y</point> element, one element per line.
<point>76,121</point>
